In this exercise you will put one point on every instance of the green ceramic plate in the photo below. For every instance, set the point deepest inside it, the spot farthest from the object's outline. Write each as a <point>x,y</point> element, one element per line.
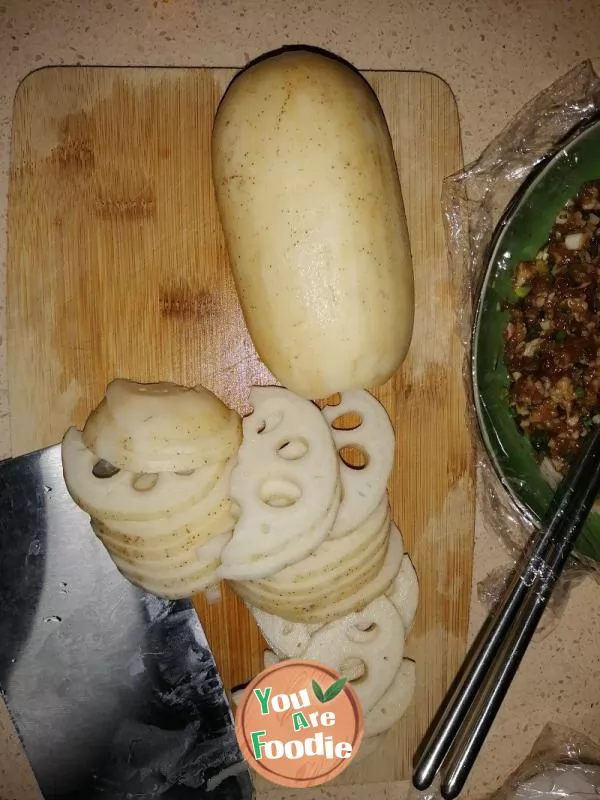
<point>522,231</point>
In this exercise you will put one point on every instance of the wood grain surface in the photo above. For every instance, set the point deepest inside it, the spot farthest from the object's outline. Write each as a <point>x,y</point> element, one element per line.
<point>117,267</point>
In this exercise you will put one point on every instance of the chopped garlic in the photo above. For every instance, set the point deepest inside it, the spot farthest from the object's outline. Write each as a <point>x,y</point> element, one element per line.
<point>575,241</point>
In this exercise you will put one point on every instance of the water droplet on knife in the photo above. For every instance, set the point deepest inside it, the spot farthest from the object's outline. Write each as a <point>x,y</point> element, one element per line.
<point>53,619</point>
<point>35,548</point>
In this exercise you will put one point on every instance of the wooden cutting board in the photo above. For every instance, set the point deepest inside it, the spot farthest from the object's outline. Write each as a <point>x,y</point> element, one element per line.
<point>117,267</point>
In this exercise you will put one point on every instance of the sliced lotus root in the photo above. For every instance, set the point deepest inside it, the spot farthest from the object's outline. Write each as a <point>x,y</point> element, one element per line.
<point>351,593</point>
<point>138,452</point>
<point>165,410</point>
<point>190,565</point>
<point>124,495</point>
<point>292,605</point>
<point>286,639</point>
<point>334,571</point>
<point>333,552</point>
<point>171,546</point>
<point>211,511</point>
<point>374,636</point>
<point>186,563</point>
<point>135,555</point>
<point>364,594</point>
<point>338,593</point>
<point>212,594</point>
<point>193,534</point>
<point>188,568</point>
<point>362,487</point>
<point>295,609</point>
<point>264,566</point>
<point>184,585</point>
<point>404,592</point>
<point>281,498</point>
<point>177,590</point>
<point>393,704</point>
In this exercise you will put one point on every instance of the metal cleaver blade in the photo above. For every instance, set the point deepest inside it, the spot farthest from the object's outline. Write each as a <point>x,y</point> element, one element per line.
<point>113,691</point>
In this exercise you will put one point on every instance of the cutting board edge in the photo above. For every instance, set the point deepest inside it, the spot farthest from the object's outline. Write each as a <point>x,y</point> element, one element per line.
<point>158,68</point>
<point>442,90</point>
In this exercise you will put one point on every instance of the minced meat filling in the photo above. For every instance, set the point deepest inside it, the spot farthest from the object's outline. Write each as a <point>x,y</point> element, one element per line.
<point>552,340</point>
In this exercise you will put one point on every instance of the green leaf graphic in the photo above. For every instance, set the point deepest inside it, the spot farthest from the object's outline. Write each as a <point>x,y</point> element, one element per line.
<point>318,692</point>
<point>335,688</point>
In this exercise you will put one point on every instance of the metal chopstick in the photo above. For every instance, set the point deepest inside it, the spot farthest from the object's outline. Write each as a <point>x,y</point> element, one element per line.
<point>568,511</point>
<point>580,495</point>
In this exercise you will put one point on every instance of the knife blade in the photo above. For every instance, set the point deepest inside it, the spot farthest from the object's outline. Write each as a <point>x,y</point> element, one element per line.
<point>113,691</point>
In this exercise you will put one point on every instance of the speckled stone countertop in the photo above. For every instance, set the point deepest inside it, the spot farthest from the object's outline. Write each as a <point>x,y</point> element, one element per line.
<point>495,55</point>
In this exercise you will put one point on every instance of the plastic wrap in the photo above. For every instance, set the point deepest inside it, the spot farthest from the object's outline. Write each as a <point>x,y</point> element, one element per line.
<point>474,201</point>
<point>562,765</point>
